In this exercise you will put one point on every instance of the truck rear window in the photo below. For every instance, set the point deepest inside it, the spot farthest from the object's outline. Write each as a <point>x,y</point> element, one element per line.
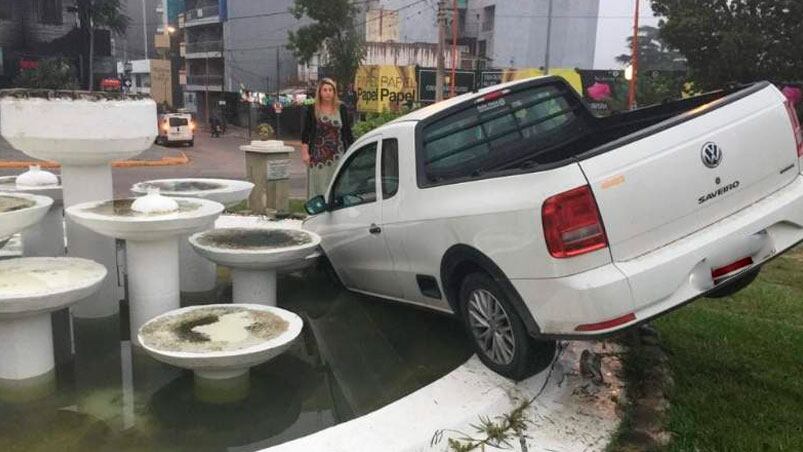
<point>487,135</point>
<point>178,122</point>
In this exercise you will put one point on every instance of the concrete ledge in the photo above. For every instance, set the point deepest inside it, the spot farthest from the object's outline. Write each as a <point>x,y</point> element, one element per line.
<point>164,161</point>
<point>567,416</point>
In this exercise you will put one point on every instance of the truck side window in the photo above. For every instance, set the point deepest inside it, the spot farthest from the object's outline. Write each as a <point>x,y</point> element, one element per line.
<point>485,136</point>
<point>356,182</point>
<point>390,167</point>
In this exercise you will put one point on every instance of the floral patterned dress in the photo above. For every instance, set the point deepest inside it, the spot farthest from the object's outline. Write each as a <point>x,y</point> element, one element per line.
<point>325,153</point>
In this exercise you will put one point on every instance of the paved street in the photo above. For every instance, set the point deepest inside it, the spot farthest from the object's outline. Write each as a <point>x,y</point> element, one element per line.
<point>210,157</point>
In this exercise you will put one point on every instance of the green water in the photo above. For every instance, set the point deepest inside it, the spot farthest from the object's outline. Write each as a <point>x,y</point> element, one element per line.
<point>355,354</point>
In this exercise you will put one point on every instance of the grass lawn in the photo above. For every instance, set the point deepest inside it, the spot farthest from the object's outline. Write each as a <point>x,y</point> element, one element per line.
<point>738,365</point>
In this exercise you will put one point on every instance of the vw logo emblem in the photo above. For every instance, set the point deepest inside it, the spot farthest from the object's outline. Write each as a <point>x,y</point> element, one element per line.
<point>711,155</point>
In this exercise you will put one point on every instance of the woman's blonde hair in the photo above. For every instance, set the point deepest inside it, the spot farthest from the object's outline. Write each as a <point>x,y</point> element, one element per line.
<point>335,99</point>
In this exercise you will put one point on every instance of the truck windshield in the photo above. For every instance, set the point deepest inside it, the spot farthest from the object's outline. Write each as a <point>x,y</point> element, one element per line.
<point>485,135</point>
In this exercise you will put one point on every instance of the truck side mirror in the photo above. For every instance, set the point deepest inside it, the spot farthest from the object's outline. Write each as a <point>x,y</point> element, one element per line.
<point>316,205</point>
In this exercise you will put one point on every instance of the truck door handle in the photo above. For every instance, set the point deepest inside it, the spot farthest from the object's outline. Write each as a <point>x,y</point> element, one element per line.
<point>374,229</point>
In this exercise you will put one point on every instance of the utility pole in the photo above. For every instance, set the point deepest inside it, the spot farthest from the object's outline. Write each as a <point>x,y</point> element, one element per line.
<point>145,30</point>
<point>441,41</point>
<point>631,89</point>
<point>454,49</point>
<point>206,90</point>
<point>278,87</point>
<point>548,38</point>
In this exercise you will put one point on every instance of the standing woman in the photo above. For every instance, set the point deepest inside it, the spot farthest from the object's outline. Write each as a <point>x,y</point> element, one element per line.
<point>326,136</point>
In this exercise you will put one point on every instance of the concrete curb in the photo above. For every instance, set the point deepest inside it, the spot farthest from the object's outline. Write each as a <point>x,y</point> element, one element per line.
<point>649,397</point>
<point>571,414</point>
<point>164,161</point>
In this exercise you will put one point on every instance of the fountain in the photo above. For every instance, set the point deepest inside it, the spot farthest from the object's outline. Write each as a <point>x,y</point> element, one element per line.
<point>220,343</point>
<point>197,274</point>
<point>254,256</point>
<point>19,211</point>
<point>151,226</point>
<point>45,238</point>
<point>84,132</point>
<point>30,289</point>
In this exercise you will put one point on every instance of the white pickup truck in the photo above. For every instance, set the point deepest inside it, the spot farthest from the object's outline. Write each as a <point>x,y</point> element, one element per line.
<point>517,209</point>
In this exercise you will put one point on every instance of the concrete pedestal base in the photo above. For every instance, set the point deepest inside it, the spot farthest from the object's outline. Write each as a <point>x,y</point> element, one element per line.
<point>153,280</point>
<point>28,390</point>
<point>26,347</point>
<point>222,386</point>
<point>198,274</point>
<point>253,286</point>
<point>85,184</point>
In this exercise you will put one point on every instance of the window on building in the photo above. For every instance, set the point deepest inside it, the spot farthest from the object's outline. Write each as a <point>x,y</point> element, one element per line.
<point>482,48</point>
<point>146,80</point>
<point>49,11</point>
<point>488,18</point>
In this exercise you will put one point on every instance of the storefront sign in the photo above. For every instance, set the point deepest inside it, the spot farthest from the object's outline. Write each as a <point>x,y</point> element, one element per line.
<point>383,88</point>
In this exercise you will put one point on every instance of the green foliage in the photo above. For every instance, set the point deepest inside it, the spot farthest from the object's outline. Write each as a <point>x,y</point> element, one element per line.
<point>334,31</point>
<point>109,14</point>
<point>374,120</point>
<point>265,132</point>
<point>737,365</point>
<point>653,54</point>
<point>51,73</point>
<point>735,41</point>
<point>656,55</point>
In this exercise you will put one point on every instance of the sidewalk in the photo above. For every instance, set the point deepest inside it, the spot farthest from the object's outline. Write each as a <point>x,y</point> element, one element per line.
<point>12,160</point>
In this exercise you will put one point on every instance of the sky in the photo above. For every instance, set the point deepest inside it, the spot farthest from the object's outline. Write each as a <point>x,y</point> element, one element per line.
<point>615,25</point>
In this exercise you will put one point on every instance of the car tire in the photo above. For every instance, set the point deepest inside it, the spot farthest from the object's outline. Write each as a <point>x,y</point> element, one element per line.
<point>736,285</point>
<point>505,346</point>
<point>191,143</point>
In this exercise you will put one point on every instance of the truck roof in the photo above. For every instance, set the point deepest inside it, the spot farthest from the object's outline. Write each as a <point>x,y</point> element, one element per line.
<point>425,112</point>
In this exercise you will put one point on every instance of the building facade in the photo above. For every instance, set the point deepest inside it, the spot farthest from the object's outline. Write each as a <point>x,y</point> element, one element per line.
<point>31,30</point>
<point>513,33</point>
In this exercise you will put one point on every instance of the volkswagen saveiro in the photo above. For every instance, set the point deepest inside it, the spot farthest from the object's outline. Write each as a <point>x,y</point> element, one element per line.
<point>517,209</point>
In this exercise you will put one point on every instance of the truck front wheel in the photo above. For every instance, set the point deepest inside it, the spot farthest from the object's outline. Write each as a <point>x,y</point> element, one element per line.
<point>497,332</point>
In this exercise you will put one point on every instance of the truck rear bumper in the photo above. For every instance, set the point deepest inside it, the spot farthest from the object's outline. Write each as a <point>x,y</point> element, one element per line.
<point>621,294</point>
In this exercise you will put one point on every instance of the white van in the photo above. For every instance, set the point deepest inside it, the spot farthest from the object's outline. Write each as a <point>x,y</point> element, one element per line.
<point>176,128</point>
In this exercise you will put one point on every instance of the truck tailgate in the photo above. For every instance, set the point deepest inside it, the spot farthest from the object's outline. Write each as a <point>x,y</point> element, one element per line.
<point>683,177</point>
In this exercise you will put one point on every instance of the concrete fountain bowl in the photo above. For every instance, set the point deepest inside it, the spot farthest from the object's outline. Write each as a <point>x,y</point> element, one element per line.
<point>30,289</point>
<point>228,192</point>
<point>198,275</point>
<point>117,218</point>
<point>76,128</point>
<point>255,255</point>
<point>220,341</point>
<point>151,226</point>
<point>45,238</point>
<point>21,210</point>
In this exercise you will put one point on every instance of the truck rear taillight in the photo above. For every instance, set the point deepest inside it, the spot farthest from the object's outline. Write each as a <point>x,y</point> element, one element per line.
<point>572,224</point>
<point>795,127</point>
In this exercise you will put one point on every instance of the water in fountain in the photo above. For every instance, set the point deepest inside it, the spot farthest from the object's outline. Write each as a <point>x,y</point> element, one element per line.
<point>355,355</point>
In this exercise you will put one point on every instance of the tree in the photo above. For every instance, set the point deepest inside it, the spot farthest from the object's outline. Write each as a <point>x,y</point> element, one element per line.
<point>729,41</point>
<point>333,32</point>
<point>98,14</point>
<point>661,69</point>
<point>654,54</point>
<point>52,73</point>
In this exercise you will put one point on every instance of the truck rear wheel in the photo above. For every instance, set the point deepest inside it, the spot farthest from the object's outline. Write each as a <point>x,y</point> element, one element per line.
<point>497,332</point>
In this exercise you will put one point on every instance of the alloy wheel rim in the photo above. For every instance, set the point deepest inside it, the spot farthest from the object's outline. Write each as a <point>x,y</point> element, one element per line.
<point>491,327</point>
